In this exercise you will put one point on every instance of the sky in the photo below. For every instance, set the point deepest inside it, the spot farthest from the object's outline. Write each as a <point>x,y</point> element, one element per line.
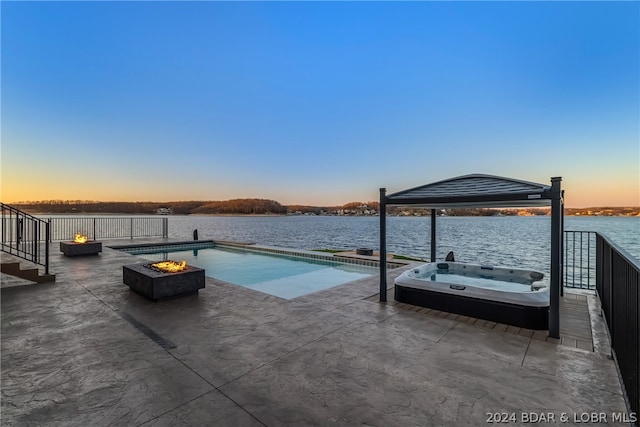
<point>318,103</point>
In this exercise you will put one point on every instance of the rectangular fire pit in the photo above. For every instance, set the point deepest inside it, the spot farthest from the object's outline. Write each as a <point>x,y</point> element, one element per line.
<point>158,285</point>
<point>79,249</point>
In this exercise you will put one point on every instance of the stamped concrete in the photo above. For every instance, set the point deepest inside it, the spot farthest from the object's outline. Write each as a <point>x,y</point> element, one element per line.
<point>86,350</point>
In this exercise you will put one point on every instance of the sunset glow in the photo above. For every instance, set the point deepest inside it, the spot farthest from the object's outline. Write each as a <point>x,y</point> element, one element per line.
<point>318,103</point>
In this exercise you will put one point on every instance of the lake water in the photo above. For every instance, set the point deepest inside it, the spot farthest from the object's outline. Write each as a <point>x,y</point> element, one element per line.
<point>521,241</point>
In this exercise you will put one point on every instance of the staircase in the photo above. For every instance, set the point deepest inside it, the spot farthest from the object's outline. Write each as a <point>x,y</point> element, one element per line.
<point>27,237</point>
<point>32,274</point>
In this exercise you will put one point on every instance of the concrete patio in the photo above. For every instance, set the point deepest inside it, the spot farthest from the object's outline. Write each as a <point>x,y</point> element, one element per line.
<point>85,350</point>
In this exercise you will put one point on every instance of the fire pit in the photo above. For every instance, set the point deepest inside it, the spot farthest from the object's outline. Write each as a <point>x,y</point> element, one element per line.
<point>81,245</point>
<point>163,280</point>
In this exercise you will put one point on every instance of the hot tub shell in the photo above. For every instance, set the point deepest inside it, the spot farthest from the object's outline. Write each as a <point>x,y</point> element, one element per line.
<point>526,309</point>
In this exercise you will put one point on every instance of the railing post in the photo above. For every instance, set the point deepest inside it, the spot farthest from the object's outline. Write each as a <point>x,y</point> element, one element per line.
<point>18,229</point>
<point>3,228</point>
<point>562,266</point>
<point>131,227</point>
<point>36,241</point>
<point>612,303</point>
<point>588,260</point>
<point>47,227</point>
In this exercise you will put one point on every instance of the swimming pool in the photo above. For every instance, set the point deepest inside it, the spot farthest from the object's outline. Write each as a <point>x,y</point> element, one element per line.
<point>285,276</point>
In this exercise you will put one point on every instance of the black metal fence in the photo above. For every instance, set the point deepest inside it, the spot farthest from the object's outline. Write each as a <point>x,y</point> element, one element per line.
<point>579,259</point>
<point>25,236</point>
<point>618,278</point>
<point>65,228</point>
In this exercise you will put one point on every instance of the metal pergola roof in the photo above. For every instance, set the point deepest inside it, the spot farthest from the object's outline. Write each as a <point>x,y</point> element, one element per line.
<point>475,190</point>
<point>489,191</point>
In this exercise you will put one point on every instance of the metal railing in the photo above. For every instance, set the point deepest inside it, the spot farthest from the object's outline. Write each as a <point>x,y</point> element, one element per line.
<point>618,281</point>
<point>579,259</point>
<point>65,228</point>
<point>25,236</point>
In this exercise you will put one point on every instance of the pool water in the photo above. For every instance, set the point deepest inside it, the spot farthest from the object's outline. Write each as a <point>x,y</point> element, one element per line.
<point>283,276</point>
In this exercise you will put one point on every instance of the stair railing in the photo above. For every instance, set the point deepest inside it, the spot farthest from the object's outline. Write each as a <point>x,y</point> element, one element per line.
<point>24,236</point>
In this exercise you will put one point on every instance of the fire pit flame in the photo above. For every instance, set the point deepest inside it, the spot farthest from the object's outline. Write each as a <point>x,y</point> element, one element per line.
<point>80,238</point>
<point>170,266</point>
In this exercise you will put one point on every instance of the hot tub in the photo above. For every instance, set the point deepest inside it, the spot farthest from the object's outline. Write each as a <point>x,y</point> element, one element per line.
<point>500,294</point>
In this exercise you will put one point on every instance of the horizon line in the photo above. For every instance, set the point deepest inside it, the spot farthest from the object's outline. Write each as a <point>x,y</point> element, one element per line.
<point>306,205</point>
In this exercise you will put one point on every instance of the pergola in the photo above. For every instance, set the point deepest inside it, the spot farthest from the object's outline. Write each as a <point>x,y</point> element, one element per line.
<point>487,191</point>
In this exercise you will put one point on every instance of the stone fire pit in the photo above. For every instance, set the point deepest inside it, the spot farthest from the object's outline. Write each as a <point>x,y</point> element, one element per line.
<point>80,249</point>
<point>157,285</point>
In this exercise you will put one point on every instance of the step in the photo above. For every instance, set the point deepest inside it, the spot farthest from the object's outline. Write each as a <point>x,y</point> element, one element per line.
<point>32,274</point>
<point>10,267</point>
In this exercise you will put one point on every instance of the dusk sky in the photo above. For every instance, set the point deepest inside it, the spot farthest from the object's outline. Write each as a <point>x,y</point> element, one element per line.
<point>318,103</point>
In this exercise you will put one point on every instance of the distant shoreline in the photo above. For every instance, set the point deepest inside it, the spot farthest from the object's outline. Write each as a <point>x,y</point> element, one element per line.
<point>293,215</point>
<point>264,207</point>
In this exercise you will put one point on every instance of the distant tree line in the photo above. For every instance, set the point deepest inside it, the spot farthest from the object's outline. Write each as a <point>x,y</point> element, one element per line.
<point>266,207</point>
<point>235,206</point>
<point>242,206</point>
<point>87,206</point>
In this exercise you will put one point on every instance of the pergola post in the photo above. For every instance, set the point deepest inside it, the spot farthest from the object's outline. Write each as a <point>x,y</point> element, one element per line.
<point>433,235</point>
<point>556,257</point>
<point>383,245</point>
